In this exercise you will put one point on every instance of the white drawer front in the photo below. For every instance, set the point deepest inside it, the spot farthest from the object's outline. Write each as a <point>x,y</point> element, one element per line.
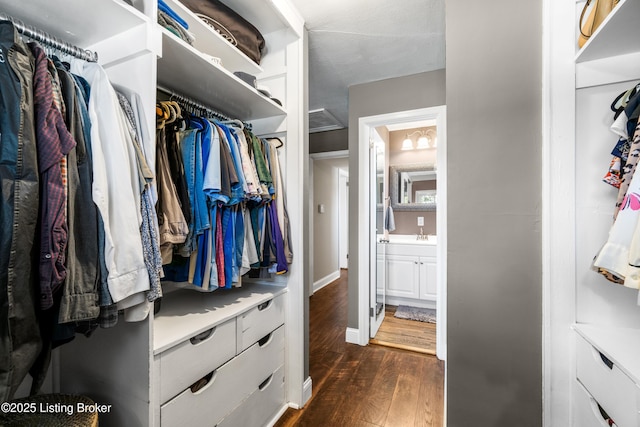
<point>228,386</point>
<point>608,385</point>
<point>422,249</point>
<point>587,413</point>
<point>184,364</point>
<point>259,321</point>
<point>262,405</point>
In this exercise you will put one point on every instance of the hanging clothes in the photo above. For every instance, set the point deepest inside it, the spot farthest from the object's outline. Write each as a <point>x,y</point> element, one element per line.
<point>620,255</point>
<point>116,189</point>
<point>236,178</point>
<point>80,292</point>
<point>173,226</point>
<point>20,340</point>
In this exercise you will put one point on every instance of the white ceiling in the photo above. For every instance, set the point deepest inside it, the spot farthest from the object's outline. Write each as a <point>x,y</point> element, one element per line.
<point>360,41</point>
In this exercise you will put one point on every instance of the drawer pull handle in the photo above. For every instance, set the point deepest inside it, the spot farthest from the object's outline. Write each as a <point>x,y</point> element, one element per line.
<point>606,361</point>
<point>202,336</point>
<point>264,340</point>
<point>264,305</point>
<point>264,384</point>
<point>598,411</point>
<point>203,382</point>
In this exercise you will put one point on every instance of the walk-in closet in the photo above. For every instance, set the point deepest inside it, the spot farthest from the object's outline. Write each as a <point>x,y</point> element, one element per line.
<point>215,335</point>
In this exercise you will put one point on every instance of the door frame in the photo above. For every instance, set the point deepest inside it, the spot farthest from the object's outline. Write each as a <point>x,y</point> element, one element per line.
<point>364,234</point>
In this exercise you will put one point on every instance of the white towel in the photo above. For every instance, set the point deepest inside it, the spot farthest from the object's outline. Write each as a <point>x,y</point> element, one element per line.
<point>389,221</point>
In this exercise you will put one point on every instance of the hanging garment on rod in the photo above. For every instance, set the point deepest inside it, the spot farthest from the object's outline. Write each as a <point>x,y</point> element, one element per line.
<point>618,258</point>
<point>233,204</point>
<point>54,143</point>
<point>116,190</point>
<point>19,212</point>
<point>80,291</point>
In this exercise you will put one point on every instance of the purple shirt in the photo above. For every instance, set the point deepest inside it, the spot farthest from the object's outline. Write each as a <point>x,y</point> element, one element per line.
<point>53,143</point>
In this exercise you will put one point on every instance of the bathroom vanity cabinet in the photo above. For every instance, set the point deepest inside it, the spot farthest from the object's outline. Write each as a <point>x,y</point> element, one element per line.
<point>409,272</point>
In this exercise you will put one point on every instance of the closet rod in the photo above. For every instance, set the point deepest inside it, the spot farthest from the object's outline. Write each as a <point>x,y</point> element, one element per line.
<point>193,103</point>
<point>198,105</point>
<point>49,40</point>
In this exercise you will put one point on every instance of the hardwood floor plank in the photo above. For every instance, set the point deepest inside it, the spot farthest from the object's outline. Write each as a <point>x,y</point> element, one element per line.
<point>431,391</point>
<point>362,381</point>
<point>406,334</point>
<point>369,386</point>
<point>404,403</point>
<point>378,398</point>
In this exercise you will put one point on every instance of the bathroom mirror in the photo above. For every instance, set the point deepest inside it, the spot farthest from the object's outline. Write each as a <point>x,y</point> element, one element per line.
<point>413,187</point>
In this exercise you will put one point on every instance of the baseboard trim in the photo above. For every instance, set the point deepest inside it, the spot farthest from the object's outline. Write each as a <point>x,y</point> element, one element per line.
<point>389,300</point>
<point>319,284</point>
<point>306,391</point>
<point>353,336</point>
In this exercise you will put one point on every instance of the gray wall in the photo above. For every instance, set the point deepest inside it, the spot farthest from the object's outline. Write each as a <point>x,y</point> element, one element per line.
<point>369,99</point>
<point>325,225</point>
<point>333,140</point>
<point>494,212</point>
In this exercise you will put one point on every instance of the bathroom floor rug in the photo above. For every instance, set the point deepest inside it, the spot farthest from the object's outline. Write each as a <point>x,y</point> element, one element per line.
<point>416,313</point>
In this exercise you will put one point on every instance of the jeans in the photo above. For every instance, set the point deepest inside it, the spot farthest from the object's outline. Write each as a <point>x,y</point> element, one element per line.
<point>20,340</point>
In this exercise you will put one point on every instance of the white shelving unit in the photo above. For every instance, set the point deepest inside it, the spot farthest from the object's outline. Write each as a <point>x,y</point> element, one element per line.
<point>617,35</point>
<point>211,43</point>
<point>127,366</point>
<point>607,317</point>
<point>212,84</point>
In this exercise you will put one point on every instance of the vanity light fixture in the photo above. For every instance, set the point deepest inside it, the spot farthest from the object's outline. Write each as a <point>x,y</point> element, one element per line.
<point>427,139</point>
<point>407,144</point>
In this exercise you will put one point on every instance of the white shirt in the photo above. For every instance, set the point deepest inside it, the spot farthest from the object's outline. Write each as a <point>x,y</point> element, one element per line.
<point>116,189</point>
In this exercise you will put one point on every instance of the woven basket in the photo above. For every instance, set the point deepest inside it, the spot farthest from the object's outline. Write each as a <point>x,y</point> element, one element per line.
<point>51,410</point>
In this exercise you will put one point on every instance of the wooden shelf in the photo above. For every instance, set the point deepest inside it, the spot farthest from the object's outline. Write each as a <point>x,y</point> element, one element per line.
<point>185,313</point>
<point>617,35</point>
<point>210,83</point>
<point>620,345</point>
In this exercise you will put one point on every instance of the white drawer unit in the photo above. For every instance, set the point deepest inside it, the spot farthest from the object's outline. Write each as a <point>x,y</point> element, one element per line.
<point>196,357</point>
<point>263,404</point>
<point>587,409</point>
<point>259,321</point>
<point>227,386</point>
<point>613,389</point>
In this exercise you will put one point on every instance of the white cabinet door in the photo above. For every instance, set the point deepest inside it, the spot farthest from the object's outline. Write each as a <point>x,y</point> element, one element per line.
<point>428,283</point>
<point>402,276</point>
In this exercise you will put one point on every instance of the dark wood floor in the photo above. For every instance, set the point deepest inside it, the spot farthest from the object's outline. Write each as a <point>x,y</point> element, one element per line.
<point>364,386</point>
<point>406,334</point>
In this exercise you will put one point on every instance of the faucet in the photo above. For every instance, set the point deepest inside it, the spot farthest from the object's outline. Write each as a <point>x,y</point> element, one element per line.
<point>422,236</point>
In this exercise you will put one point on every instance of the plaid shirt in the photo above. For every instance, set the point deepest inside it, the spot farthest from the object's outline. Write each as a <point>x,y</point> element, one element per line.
<point>53,143</point>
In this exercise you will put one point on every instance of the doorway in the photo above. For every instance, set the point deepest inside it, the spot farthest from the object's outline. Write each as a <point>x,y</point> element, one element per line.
<point>367,231</point>
<point>329,175</point>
